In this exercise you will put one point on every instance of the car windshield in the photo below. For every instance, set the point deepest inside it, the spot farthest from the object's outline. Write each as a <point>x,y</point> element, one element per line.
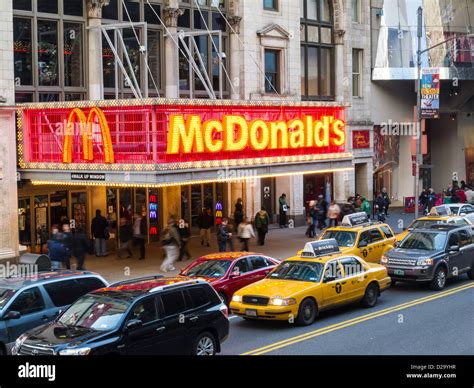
<point>419,224</point>
<point>298,270</point>
<point>425,241</point>
<point>454,209</point>
<point>343,238</point>
<point>209,269</point>
<point>96,312</point>
<point>5,295</point>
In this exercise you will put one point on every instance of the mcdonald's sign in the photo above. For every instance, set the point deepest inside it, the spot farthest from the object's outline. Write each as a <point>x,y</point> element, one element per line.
<point>86,130</point>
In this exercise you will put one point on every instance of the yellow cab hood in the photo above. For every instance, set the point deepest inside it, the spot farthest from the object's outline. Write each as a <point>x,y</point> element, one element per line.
<point>276,287</point>
<point>402,235</point>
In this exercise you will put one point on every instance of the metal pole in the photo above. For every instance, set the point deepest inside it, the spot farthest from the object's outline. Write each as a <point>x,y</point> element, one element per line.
<point>418,157</point>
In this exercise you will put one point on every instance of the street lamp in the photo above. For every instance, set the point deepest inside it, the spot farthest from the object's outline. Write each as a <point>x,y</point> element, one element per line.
<point>419,52</point>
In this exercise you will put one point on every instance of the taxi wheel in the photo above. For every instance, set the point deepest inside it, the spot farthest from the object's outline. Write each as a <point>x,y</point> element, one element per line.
<point>307,313</point>
<point>439,279</point>
<point>370,296</point>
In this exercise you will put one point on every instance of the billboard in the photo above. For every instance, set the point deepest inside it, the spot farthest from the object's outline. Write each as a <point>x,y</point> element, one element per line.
<point>430,86</point>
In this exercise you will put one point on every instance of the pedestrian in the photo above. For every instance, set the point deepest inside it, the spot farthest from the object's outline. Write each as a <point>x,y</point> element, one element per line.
<point>139,234</point>
<point>322,206</point>
<point>238,212</point>
<point>205,221</point>
<point>461,194</point>
<point>430,199</point>
<point>423,199</point>
<point>245,233</point>
<point>313,215</point>
<point>184,234</point>
<point>262,220</point>
<point>223,235</point>
<point>386,199</point>
<point>99,233</point>
<point>80,247</point>
<point>57,250</point>
<point>231,228</point>
<point>333,213</point>
<point>67,238</point>
<point>366,207</point>
<point>470,195</point>
<point>126,238</point>
<point>283,210</point>
<point>380,207</point>
<point>171,243</point>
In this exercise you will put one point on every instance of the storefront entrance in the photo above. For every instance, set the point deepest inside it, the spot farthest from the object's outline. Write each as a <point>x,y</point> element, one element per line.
<point>316,185</point>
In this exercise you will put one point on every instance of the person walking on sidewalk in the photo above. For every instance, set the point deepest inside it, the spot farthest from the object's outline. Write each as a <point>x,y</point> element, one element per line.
<point>80,244</point>
<point>245,233</point>
<point>238,212</point>
<point>262,221</point>
<point>57,250</point>
<point>223,235</point>
<point>184,234</point>
<point>283,210</point>
<point>366,208</point>
<point>333,213</point>
<point>205,222</point>
<point>126,238</point>
<point>99,229</point>
<point>171,243</point>
<point>139,234</point>
<point>386,200</point>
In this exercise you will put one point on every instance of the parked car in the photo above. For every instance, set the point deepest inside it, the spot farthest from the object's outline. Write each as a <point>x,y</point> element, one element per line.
<point>465,210</point>
<point>228,272</point>
<point>27,302</point>
<point>432,255</point>
<point>146,316</point>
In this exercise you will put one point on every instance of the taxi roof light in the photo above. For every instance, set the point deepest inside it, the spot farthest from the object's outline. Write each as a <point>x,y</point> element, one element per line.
<point>441,210</point>
<point>320,248</point>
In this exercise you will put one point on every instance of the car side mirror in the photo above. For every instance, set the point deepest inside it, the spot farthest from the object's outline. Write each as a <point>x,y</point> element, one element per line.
<point>328,279</point>
<point>363,244</point>
<point>12,315</point>
<point>133,324</point>
<point>454,248</point>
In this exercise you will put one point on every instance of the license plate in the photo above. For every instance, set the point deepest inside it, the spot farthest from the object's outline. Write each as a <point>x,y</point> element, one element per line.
<point>251,312</point>
<point>398,272</point>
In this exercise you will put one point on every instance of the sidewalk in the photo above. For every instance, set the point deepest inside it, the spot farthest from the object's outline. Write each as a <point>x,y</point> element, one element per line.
<point>280,244</point>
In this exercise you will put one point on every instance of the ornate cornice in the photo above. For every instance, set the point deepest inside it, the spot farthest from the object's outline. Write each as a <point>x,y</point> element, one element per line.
<point>234,21</point>
<point>170,15</point>
<point>94,8</point>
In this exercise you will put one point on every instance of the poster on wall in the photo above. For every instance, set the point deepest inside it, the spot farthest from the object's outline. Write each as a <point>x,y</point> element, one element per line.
<point>430,86</point>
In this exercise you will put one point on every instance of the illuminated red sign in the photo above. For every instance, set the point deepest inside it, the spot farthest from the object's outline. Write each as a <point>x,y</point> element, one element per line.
<point>162,133</point>
<point>361,139</point>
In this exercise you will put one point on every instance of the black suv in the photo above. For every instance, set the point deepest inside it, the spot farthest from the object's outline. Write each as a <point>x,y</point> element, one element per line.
<point>145,316</point>
<point>432,255</point>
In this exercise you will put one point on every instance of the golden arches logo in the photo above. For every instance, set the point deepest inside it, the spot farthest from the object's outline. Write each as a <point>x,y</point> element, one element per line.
<point>85,123</point>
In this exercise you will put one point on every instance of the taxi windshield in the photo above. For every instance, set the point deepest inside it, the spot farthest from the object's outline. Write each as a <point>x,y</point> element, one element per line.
<point>95,312</point>
<point>209,269</point>
<point>298,270</point>
<point>425,241</point>
<point>344,238</point>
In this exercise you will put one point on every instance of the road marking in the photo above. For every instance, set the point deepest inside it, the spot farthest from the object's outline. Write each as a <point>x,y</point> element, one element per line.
<point>354,321</point>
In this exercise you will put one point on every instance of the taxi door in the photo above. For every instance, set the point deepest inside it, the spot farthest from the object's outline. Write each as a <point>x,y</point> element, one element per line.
<point>371,245</point>
<point>333,285</point>
<point>355,277</point>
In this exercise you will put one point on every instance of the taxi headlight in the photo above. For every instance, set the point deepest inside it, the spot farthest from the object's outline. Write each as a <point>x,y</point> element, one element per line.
<point>278,301</point>
<point>384,260</point>
<point>75,352</point>
<point>425,262</point>
<point>237,299</point>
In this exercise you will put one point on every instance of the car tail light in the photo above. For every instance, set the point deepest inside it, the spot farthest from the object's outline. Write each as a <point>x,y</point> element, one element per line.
<point>224,310</point>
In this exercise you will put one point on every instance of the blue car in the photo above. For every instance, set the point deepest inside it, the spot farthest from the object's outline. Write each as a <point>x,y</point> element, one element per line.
<point>28,302</point>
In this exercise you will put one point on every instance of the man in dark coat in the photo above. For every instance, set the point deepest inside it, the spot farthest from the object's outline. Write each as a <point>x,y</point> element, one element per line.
<point>80,244</point>
<point>99,232</point>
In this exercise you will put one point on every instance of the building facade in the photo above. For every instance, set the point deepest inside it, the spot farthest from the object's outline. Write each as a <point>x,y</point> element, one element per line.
<point>140,64</point>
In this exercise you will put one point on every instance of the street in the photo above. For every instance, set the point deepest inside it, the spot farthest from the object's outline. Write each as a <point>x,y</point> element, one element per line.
<point>408,319</point>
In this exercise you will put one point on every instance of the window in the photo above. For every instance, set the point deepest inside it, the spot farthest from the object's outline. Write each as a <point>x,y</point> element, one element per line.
<point>23,5</point>
<point>241,265</point>
<point>351,266</point>
<point>357,72</point>
<point>453,240</point>
<point>29,301</point>
<point>333,270</point>
<point>22,51</point>
<point>365,237</point>
<point>198,296</point>
<point>387,231</point>
<point>356,11</point>
<point>145,310</point>
<point>270,5</point>
<point>464,238</point>
<point>173,303</point>
<point>63,293</point>
<point>258,262</point>
<point>49,6</point>
<point>73,54</point>
<point>375,235</point>
<point>272,71</point>
<point>317,50</point>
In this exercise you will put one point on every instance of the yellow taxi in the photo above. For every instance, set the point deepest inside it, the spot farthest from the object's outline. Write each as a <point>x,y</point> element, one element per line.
<point>357,235</point>
<point>320,278</point>
<point>438,215</point>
